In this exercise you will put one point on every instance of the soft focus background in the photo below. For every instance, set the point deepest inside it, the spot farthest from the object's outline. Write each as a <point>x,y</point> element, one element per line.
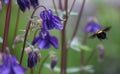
<point>107,13</point>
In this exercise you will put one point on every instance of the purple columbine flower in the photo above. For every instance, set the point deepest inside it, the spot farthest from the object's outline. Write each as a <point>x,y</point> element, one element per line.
<point>50,21</point>
<point>23,4</point>
<point>45,40</point>
<point>6,1</point>
<point>11,66</point>
<point>34,3</point>
<point>92,26</point>
<point>53,62</point>
<point>32,59</point>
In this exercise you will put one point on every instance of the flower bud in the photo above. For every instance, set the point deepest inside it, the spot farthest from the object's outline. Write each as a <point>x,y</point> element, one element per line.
<point>101,52</point>
<point>53,62</point>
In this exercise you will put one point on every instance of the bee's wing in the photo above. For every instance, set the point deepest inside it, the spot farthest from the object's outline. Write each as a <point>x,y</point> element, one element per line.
<point>93,36</point>
<point>107,29</point>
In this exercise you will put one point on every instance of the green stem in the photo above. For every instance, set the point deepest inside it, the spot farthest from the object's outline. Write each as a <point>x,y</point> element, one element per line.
<point>78,20</point>
<point>16,27</point>
<point>42,64</point>
<point>31,71</point>
<point>82,53</point>
<point>55,7</point>
<point>26,33</point>
<point>6,28</point>
<point>90,56</point>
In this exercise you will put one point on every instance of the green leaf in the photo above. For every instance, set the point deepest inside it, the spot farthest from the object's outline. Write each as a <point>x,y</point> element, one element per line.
<point>84,47</point>
<point>1,40</point>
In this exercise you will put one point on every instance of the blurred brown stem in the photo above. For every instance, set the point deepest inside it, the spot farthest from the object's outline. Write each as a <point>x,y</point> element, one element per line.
<point>72,6</point>
<point>31,71</point>
<point>6,27</point>
<point>78,20</point>
<point>63,43</point>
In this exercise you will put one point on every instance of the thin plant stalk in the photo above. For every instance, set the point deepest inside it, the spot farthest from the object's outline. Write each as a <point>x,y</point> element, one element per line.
<point>72,7</point>
<point>60,5</point>
<point>6,28</point>
<point>78,20</point>
<point>31,71</point>
<point>16,27</point>
<point>63,45</point>
<point>55,7</point>
<point>26,33</point>
<point>42,64</point>
<point>90,56</point>
<point>82,53</point>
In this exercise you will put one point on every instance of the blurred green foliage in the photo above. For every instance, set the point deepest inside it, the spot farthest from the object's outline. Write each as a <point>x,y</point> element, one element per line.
<point>107,16</point>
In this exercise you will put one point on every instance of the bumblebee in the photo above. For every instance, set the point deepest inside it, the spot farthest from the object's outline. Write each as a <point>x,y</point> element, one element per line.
<point>101,34</point>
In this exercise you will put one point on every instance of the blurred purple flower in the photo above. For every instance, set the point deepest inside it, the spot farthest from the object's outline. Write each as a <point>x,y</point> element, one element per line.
<point>0,5</point>
<point>92,26</point>
<point>50,21</point>
<point>6,1</point>
<point>23,4</point>
<point>11,66</point>
<point>34,3</point>
<point>32,59</point>
<point>53,62</point>
<point>45,40</point>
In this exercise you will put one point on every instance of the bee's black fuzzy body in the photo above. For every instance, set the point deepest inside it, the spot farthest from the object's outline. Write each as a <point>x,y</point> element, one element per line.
<point>101,34</point>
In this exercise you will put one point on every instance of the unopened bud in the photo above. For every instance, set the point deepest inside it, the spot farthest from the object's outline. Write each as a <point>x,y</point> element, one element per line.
<point>101,52</point>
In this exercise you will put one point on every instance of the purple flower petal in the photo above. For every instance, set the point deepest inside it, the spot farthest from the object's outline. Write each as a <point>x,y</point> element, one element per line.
<point>43,44</point>
<point>34,3</point>
<point>21,5</point>
<point>36,39</point>
<point>50,21</point>
<point>18,69</point>
<point>6,1</point>
<point>54,42</point>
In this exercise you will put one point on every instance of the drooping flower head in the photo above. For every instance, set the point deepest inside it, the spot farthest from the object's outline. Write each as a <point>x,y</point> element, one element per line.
<point>32,59</point>
<point>50,21</point>
<point>53,62</point>
<point>34,3</point>
<point>92,26</point>
<point>45,40</point>
<point>23,4</point>
<point>10,66</point>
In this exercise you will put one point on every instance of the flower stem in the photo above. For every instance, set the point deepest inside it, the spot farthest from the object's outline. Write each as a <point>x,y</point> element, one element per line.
<point>72,6</point>
<point>60,5</point>
<point>16,27</point>
<point>78,20</point>
<point>55,7</point>
<point>63,45</point>
<point>42,64</point>
<point>6,28</point>
<point>27,30</point>
<point>90,56</point>
<point>82,53</point>
<point>31,71</point>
